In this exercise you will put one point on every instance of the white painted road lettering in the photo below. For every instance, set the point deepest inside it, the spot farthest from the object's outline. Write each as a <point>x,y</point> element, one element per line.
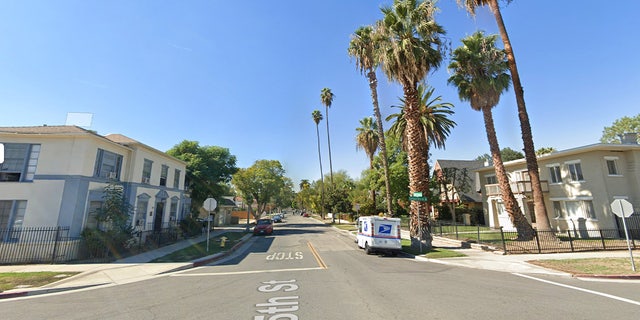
<point>278,256</point>
<point>278,307</point>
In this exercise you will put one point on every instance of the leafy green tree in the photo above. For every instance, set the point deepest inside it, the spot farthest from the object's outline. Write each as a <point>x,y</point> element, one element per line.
<point>509,154</point>
<point>114,231</point>
<point>262,182</point>
<point>364,47</point>
<point>542,219</point>
<point>411,46</point>
<point>478,71</point>
<point>209,170</point>
<point>451,182</point>
<point>619,127</point>
<point>545,150</point>
<point>286,196</point>
<point>398,174</point>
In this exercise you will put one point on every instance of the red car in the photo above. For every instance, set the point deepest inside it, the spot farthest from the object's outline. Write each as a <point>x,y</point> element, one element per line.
<point>263,226</point>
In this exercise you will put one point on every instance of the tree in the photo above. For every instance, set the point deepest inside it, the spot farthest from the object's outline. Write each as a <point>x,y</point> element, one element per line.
<point>317,117</point>
<point>114,230</point>
<point>545,150</point>
<point>509,154</point>
<point>364,48</point>
<point>285,198</point>
<point>451,182</point>
<point>478,71</point>
<point>367,139</point>
<point>620,127</point>
<point>411,46</point>
<point>209,170</point>
<point>262,182</point>
<point>326,96</point>
<point>339,195</point>
<point>542,219</point>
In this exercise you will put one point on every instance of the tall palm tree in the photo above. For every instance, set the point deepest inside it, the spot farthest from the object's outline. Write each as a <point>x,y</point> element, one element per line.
<point>542,218</point>
<point>317,117</point>
<point>364,47</point>
<point>411,46</point>
<point>368,140</point>
<point>326,96</point>
<point>434,119</point>
<point>479,71</point>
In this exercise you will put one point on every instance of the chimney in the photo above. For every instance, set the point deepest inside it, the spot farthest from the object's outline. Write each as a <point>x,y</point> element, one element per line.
<point>629,138</point>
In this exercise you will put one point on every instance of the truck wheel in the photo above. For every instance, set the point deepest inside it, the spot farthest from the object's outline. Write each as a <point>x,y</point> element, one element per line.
<point>367,249</point>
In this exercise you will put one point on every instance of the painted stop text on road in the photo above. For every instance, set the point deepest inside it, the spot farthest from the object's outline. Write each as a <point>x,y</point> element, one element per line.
<point>280,256</point>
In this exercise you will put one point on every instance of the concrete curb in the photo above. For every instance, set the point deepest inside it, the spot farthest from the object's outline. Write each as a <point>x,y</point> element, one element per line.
<point>19,294</point>
<point>219,255</point>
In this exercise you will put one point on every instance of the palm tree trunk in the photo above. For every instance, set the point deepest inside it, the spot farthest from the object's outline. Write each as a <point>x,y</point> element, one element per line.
<point>321,175</point>
<point>418,177</point>
<point>373,85</point>
<point>373,192</point>
<point>525,231</point>
<point>542,218</point>
<point>329,145</point>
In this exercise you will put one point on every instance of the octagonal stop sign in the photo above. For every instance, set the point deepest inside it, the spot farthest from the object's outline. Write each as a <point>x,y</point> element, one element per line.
<point>622,208</point>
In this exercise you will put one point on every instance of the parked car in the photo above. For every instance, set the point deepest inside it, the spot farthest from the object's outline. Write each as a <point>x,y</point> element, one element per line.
<point>263,226</point>
<point>276,218</point>
<point>306,215</point>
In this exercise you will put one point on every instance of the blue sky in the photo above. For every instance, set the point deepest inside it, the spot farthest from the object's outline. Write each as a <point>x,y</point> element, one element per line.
<point>246,75</point>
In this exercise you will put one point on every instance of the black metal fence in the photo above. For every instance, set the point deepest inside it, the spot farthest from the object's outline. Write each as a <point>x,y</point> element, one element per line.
<point>542,241</point>
<point>32,245</point>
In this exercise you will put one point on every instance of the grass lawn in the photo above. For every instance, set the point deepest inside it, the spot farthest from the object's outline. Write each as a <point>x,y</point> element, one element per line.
<point>434,253</point>
<point>601,266</point>
<point>14,280</point>
<point>199,250</point>
<point>348,227</point>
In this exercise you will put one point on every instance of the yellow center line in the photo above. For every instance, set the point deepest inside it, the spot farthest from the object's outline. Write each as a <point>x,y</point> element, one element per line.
<point>317,256</point>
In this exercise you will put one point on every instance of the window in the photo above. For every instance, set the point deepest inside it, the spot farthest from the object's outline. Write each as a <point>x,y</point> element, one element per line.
<point>20,162</point>
<point>500,208</point>
<point>612,165</point>
<point>11,218</point>
<point>574,209</point>
<point>163,175</point>
<point>491,179</point>
<point>141,211</point>
<point>575,171</point>
<point>173,210</point>
<point>176,179</point>
<point>146,171</point>
<point>108,165</point>
<point>554,173</point>
<point>92,215</point>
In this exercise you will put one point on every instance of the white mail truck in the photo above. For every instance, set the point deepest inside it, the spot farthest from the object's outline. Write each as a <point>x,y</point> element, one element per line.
<point>379,234</point>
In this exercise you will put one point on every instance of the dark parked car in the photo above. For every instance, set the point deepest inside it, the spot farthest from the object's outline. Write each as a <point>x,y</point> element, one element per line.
<point>276,218</point>
<point>263,226</point>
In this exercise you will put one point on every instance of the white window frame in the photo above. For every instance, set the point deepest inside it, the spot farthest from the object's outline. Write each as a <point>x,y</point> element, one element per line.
<point>555,173</point>
<point>489,179</point>
<point>616,168</point>
<point>585,208</point>
<point>577,166</point>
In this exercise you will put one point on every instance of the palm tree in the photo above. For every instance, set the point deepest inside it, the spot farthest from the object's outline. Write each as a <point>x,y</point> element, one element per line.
<point>326,96</point>
<point>434,119</point>
<point>479,71</point>
<point>363,47</point>
<point>317,117</point>
<point>411,46</point>
<point>542,219</point>
<point>368,140</point>
<point>304,186</point>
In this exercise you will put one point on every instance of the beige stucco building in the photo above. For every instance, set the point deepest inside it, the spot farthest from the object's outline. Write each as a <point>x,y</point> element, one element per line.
<point>55,176</point>
<point>579,185</point>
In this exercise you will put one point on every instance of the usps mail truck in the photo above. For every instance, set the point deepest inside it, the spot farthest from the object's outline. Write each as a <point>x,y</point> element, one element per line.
<point>379,234</point>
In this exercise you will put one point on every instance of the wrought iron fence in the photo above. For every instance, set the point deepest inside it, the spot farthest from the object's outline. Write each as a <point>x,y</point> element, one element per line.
<point>38,245</point>
<point>542,241</point>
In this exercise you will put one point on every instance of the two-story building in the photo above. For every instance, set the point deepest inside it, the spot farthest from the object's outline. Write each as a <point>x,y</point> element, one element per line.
<point>55,176</point>
<point>578,184</point>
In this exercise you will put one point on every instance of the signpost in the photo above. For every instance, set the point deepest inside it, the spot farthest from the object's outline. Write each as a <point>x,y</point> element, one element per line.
<point>210,204</point>
<point>417,196</point>
<point>623,209</point>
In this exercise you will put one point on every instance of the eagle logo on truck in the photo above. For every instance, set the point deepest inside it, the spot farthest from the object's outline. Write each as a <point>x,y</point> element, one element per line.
<point>384,228</point>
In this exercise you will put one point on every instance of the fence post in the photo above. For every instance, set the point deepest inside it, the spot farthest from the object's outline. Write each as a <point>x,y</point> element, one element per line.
<point>570,240</point>
<point>535,234</point>
<point>602,239</point>
<point>504,244</point>
<point>55,246</point>
<point>478,232</point>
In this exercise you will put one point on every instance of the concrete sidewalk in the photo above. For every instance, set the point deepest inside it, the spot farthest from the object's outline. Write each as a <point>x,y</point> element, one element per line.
<point>130,269</point>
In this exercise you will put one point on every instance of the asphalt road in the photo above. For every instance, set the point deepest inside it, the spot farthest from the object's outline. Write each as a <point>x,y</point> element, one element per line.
<point>308,270</point>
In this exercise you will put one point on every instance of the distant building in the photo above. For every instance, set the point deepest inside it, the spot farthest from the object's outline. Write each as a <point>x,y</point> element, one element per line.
<point>470,198</point>
<point>55,176</point>
<point>578,184</point>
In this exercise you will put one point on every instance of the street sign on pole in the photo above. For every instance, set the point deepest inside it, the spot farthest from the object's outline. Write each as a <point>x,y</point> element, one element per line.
<point>623,209</point>
<point>417,194</point>
<point>422,199</point>
<point>210,204</point>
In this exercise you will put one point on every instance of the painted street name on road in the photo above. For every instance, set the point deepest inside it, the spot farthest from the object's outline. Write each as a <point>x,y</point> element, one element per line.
<point>278,256</point>
<point>278,307</point>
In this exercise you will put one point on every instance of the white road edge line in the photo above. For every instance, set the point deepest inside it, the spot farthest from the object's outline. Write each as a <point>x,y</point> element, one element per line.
<point>606,295</point>
<point>243,272</point>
